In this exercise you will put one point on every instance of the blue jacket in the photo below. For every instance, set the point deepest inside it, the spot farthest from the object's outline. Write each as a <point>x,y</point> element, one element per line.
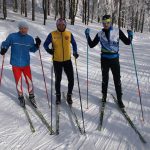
<point>21,45</point>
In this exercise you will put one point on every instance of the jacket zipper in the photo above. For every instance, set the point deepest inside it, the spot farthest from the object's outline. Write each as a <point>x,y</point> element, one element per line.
<point>62,45</point>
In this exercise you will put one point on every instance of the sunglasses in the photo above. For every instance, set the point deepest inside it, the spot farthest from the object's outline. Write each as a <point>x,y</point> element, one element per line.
<point>106,23</point>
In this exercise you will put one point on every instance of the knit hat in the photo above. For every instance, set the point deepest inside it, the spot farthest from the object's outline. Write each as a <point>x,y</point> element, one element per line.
<point>106,18</point>
<point>61,21</point>
<point>23,24</point>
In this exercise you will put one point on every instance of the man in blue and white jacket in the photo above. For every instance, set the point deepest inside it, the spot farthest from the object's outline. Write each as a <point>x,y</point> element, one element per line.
<point>21,44</point>
<point>108,38</point>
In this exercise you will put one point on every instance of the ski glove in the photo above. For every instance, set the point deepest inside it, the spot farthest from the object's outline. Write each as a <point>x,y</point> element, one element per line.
<point>38,41</point>
<point>87,32</point>
<point>50,51</point>
<point>3,51</point>
<point>130,34</point>
<point>76,55</point>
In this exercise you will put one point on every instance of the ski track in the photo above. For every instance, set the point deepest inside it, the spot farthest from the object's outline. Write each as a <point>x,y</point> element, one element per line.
<point>116,133</point>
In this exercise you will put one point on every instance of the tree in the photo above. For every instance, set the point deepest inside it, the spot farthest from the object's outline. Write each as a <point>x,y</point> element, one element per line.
<point>15,5</point>
<point>33,10</point>
<point>25,8</point>
<point>45,10</point>
<point>120,9</point>
<point>4,9</point>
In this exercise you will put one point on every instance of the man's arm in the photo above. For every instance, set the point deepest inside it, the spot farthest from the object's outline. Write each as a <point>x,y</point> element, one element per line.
<point>123,38</point>
<point>94,42</point>
<point>74,44</point>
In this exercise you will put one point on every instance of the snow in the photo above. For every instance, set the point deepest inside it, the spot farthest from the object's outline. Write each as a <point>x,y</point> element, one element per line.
<point>116,134</point>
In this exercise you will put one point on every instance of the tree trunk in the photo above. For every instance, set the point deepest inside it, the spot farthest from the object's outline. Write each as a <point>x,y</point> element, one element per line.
<point>22,7</point>
<point>92,16</point>
<point>136,21</point>
<point>139,26</point>
<point>82,11</point>
<point>88,9</point>
<point>64,13</point>
<point>119,18</point>
<point>25,7</point>
<point>49,7</point>
<point>15,6</point>
<point>143,20</point>
<point>56,9</point>
<point>33,10</point>
<point>45,11</point>
<point>4,9</point>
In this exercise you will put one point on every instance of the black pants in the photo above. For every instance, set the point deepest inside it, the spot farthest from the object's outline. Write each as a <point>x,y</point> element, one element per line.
<point>114,65</point>
<point>68,69</point>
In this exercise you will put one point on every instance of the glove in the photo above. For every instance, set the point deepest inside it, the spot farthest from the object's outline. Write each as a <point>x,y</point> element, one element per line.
<point>3,51</point>
<point>38,41</point>
<point>50,51</point>
<point>130,34</point>
<point>76,55</point>
<point>87,32</point>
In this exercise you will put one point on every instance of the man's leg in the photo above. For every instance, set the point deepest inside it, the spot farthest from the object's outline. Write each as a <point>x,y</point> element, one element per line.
<point>58,77</point>
<point>28,78</point>
<point>105,77</point>
<point>17,71</point>
<point>115,68</point>
<point>68,68</point>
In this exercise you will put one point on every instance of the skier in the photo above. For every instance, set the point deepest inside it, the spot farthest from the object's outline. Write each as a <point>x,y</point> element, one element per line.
<point>21,44</point>
<point>61,51</point>
<point>109,40</point>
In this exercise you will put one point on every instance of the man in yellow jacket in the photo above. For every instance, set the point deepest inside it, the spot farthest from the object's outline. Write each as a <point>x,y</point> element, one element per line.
<point>61,51</point>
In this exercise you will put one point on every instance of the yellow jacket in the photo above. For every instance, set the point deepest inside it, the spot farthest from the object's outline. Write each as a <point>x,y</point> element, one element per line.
<point>61,44</point>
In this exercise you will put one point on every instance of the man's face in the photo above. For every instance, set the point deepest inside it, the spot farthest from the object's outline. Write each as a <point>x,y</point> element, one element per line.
<point>106,24</point>
<point>61,27</point>
<point>23,30</point>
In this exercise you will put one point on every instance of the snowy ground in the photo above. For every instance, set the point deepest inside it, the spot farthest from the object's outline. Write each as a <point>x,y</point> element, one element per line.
<point>15,132</point>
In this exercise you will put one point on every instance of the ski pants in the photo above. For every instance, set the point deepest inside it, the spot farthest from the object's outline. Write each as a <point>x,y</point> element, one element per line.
<point>114,65</point>
<point>68,69</point>
<point>17,71</point>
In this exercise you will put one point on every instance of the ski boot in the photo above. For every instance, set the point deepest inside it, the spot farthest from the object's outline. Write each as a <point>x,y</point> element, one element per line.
<point>120,103</point>
<point>58,99</point>
<point>22,101</point>
<point>32,100</point>
<point>69,99</point>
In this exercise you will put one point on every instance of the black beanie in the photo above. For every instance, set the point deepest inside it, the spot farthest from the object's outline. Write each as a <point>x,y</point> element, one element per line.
<point>105,17</point>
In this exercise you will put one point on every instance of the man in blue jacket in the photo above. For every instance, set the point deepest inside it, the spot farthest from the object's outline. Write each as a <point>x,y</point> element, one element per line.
<point>108,38</point>
<point>21,44</point>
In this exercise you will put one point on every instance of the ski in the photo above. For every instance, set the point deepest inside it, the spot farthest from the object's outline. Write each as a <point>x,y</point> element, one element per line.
<point>126,116</point>
<point>57,118</point>
<point>101,116</point>
<point>74,115</point>
<point>29,119</point>
<point>40,115</point>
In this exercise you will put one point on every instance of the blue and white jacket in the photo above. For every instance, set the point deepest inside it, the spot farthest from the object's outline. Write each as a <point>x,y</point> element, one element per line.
<point>21,45</point>
<point>109,41</point>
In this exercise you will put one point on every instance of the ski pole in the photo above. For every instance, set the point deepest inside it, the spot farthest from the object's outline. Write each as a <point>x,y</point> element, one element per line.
<point>51,93</point>
<point>44,77</point>
<point>87,74</point>
<point>79,93</point>
<point>139,92</point>
<point>2,69</point>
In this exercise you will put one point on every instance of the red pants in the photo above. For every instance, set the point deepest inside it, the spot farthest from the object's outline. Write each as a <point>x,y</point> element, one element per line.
<point>17,71</point>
